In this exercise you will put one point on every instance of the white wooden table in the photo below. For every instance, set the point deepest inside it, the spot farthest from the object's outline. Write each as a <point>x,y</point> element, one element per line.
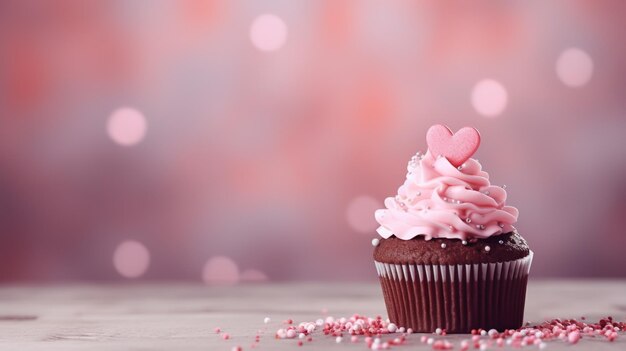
<point>162,316</point>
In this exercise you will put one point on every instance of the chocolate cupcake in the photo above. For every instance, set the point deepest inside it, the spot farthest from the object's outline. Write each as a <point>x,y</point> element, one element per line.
<point>449,256</point>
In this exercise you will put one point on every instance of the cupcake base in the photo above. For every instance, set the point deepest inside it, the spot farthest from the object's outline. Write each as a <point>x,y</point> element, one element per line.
<point>457,298</point>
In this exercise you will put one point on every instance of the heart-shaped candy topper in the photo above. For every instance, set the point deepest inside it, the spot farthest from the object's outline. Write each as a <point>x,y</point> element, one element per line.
<point>456,147</point>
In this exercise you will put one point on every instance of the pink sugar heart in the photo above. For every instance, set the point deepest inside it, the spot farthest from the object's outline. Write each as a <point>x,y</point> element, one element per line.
<point>456,147</point>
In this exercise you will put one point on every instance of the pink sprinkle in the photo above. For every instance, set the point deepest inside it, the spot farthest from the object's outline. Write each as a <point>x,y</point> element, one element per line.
<point>464,345</point>
<point>236,348</point>
<point>442,345</point>
<point>423,338</point>
<point>225,336</point>
<point>573,337</point>
<point>354,338</point>
<point>612,336</point>
<point>218,330</point>
<point>300,343</point>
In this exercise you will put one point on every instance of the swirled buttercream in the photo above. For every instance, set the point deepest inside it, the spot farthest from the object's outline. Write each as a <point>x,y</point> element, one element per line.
<point>439,200</point>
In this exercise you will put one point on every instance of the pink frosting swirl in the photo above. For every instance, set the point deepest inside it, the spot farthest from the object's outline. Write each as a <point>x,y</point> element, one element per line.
<point>438,200</point>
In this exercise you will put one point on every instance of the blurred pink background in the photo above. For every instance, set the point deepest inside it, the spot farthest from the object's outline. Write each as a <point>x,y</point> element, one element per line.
<point>233,141</point>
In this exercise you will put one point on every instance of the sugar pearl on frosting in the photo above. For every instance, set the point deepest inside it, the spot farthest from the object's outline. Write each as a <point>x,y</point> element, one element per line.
<point>501,242</point>
<point>487,248</point>
<point>464,242</point>
<point>480,226</point>
<point>468,220</point>
<point>443,245</point>
<point>375,242</point>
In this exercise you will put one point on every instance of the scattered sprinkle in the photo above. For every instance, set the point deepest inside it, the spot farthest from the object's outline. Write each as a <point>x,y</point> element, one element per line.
<point>377,333</point>
<point>266,320</point>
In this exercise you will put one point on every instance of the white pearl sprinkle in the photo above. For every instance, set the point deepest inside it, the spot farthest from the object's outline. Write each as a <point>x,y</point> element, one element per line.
<point>464,242</point>
<point>419,193</point>
<point>338,340</point>
<point>375,242</point>
<point>459,168</point>
<point>501,242</point>
<point>266,320</point>
<point>443,245</point>
<point>468,220</point>
<point>487,248</point>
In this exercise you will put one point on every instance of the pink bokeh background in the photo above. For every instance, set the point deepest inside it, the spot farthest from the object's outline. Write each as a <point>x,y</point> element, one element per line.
<point>241,141</point>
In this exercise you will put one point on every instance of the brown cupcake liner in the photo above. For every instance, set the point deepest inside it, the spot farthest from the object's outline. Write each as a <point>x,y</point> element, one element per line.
<point>457,298</point>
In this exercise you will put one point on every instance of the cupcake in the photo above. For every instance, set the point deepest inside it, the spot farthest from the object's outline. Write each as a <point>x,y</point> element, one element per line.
<point>449,256</point>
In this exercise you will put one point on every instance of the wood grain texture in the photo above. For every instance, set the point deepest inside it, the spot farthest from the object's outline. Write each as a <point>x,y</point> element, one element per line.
<point>162,316</point>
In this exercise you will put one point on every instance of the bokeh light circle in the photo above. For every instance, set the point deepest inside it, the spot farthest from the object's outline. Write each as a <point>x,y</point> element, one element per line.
<point>489,98</point>
<point>574,67</point>
<point>131,259</point>
<point>220,270</point>
<point>127,126</point>
<point>268,32</point>
<point>253,276</point>
<point>360,214</point>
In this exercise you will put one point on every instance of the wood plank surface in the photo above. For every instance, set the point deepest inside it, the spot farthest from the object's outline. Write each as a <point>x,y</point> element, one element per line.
<point>172,316</point>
